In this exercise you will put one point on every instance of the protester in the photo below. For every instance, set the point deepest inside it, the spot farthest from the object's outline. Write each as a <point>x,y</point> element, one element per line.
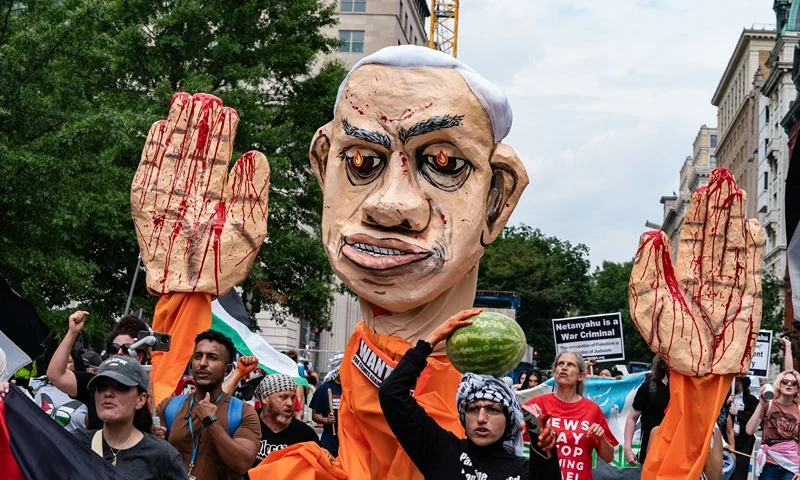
<point>120,392</point>
<point>579,423</point>
<point>605,372</point>
<point>76,384</point>
<point>279,427</point>
<point>70,414</point>
<point>488,411</point>
<point>91,361</point>
<point>649,403</point>
<point>321,406</point>
<point>742,406</point>
<point>186,385</point>
<point>533,380</point>
<point>244,366</point>
<point>778,456</point>
<point>200,425</point>
<point>522,377</point>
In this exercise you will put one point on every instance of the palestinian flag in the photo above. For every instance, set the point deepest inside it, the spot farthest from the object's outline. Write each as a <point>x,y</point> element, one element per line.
<point>34,447</point>
<point>229,317</point>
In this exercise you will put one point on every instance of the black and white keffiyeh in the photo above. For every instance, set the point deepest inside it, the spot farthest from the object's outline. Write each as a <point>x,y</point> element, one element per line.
<point>274,383</point>
<point>475,387</point>
<point>333,368</point>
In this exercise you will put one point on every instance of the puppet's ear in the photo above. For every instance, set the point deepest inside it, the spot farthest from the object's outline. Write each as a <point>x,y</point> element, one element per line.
<point>509,179</point>
<point>318,152</point>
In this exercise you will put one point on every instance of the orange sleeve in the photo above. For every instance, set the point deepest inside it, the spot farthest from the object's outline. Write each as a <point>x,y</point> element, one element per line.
<point>183,316</point>
<point>683,441</point>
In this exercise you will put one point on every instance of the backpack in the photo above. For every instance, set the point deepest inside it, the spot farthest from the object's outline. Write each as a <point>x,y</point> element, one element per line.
<point>235,409</point>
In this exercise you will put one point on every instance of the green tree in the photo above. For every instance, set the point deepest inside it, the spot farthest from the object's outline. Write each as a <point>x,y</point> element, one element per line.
<point>772,313</point>
<point>551,277</point>
<point>609,293</point>
<point>80,83</point>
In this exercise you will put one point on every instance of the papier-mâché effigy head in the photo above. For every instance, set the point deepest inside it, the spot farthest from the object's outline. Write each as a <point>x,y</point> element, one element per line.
<point>414,177</point>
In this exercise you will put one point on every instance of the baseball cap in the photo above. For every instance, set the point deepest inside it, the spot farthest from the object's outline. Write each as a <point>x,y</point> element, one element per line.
<point>125,370</point>
<point>92,359</point>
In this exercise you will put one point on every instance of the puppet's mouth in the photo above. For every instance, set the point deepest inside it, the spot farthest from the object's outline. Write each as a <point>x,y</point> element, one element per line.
<point>381,253</point>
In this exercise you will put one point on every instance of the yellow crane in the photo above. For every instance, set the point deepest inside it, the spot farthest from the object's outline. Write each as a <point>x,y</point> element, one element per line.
<point>444,26</point>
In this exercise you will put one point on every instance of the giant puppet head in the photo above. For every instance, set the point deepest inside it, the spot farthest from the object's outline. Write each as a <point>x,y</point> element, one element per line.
<point>414,177</point>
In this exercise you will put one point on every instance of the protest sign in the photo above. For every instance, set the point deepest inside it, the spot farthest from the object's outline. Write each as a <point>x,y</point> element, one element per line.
<point>759,364</point>
<point>594,336</point>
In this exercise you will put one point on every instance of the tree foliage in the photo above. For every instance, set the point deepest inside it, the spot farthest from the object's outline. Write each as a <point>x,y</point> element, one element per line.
<point>609,294</point>
<point>80,83</point>
<point>551,277</point>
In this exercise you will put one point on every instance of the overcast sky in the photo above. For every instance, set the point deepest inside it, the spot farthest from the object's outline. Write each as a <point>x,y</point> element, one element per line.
<point>608,96</point>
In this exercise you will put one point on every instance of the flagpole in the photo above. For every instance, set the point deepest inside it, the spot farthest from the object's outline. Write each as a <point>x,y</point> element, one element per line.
<point>133,284</point>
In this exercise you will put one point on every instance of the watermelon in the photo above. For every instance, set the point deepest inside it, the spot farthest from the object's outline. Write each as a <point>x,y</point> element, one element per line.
<point>493,345</point>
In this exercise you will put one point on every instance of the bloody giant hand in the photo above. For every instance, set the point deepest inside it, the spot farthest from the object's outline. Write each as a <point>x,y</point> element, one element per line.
<point>199,227</point>
<point>702,314</point>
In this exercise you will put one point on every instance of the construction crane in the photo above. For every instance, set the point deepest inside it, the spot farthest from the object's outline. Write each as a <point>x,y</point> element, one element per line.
<point>444,26</point>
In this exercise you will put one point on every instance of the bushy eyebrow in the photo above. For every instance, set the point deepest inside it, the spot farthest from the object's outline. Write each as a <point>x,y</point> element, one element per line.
<point>432,124</point>
<point>378,138</point>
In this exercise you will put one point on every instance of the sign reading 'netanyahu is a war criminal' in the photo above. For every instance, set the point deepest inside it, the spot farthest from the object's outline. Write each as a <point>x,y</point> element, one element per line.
<point>595,336</point>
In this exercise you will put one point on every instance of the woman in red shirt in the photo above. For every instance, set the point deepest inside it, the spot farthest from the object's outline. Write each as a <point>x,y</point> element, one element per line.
<point>579,423</point>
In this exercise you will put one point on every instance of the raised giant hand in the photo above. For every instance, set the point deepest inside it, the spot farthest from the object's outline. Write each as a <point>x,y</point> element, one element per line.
<point>199,227</point>
<point>702,314</point>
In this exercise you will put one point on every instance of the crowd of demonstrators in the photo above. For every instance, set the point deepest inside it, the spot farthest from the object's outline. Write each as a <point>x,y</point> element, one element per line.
<point>488,410</point>
<point>579,423</point>
<point>203,426</point>
<point>120,394</point>
<point>649,404</point>
<point>329,395</point>
<point>279,426</point>
<point>76,384</point>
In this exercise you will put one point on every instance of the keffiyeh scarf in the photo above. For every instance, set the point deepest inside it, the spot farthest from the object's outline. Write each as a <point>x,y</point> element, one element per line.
<point>475,387</point>
<point>277,382</point>
<point>333,368</point>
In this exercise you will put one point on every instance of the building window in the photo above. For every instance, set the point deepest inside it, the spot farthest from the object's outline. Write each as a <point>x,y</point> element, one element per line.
<point>713,141</point>
<point>415,39</point>
<point>359,6</point>
<point>713,161</point>
<point>411,32</point>
<point>405,25</point>
<point>398,43</point>
<point>766,180</point>
<point>352,41</point>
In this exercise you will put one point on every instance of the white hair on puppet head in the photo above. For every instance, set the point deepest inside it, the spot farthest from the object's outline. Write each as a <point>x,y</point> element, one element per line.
<point>491,97</point>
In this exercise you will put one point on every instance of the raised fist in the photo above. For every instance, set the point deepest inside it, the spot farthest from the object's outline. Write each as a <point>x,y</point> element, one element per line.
<point>199,227</point>
<point>702,315</point>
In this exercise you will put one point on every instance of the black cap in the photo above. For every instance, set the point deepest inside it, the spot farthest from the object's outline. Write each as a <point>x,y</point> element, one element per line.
<point>92,359</point>
<point>125,370</point>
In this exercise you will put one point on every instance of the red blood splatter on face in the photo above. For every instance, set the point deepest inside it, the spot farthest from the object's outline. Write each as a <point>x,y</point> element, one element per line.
<point>384,118</point>
<point>443,218</point>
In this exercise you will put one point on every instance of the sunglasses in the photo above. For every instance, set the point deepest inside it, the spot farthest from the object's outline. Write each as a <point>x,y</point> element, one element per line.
<point>791,383</point>
<point>115,347</point>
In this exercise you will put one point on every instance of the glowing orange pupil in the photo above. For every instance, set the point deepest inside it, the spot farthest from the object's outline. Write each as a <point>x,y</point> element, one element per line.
<point>442,159</point>
<point>358,159</point>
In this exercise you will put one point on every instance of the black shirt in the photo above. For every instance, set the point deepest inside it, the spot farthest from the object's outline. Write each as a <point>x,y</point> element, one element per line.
<point>150,459</point>
<point>319,403</point>
<point>652,408</point>
<point>85,396</point>
<point>438,453</point>
<point>296,432</point>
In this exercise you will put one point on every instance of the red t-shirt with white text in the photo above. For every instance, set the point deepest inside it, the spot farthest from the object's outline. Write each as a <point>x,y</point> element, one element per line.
<point>571,422</point>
